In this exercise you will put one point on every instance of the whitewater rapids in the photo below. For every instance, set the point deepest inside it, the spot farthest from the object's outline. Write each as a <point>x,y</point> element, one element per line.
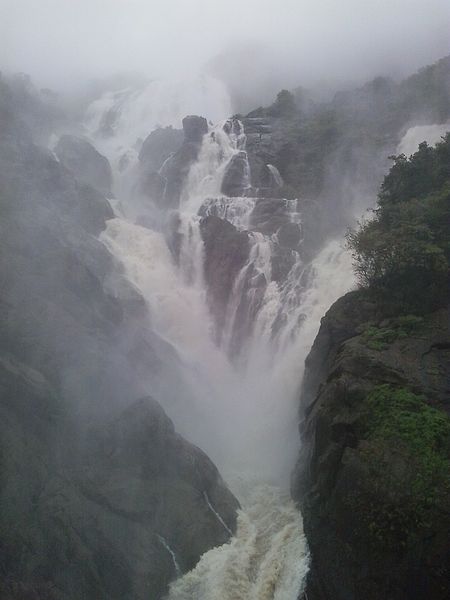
<point>267,559</point>
<point>242,413</point>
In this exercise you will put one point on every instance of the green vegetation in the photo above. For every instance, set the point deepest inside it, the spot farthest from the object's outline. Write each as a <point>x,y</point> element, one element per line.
<point>399,423</point>
<point>403,253</point>
<point>379,338</point>
<point>284,105</point>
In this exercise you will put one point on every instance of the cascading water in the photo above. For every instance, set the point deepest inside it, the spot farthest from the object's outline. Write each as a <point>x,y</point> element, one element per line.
<point>245,411</point>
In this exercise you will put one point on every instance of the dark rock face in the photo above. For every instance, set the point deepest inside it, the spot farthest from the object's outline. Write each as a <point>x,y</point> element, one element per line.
<point>99,526</point>
<point>269,215</point>
<point>194,128</point>
<point>86,163</point>
<point>163,173</point>
<point>175,172</point>
<point>261,147</point>
<point>271,179</point>
<point>158,146</point>
<point>88,509</point>
<point>226,252</point>
<point>152,185</point>
<point>370,532</point>
<point>236,176</point>
<point>289,235</point>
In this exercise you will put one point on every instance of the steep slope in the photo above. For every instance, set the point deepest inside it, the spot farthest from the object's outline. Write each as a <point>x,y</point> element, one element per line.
<point>373,478</point>
<point>99,497</point>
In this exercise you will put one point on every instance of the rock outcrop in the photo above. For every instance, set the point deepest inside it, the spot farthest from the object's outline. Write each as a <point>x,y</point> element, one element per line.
<point>226,252</point>
<point>165,161</point>
<point>158,146</point>
<point>118,518</point>
<point>194,128</point>
<point>373,477</point>
<point>91,507</point>
<point>236,178</point>
<point>86,163</point>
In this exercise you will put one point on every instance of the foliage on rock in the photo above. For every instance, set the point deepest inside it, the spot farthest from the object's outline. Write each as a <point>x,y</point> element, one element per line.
<point>403,253</point>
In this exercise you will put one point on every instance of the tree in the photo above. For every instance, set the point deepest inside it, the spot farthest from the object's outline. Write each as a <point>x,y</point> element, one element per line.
<point>284,105</point>
<point>403,253</point>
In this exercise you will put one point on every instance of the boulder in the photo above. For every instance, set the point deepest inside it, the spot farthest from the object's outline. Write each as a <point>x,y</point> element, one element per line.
<point>237,175</point>
<point>194,128</point>
<point>118,521</point>
<point>158,146</point>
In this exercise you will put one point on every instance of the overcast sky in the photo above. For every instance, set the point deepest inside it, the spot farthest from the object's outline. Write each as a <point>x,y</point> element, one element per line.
<point>61,42</point>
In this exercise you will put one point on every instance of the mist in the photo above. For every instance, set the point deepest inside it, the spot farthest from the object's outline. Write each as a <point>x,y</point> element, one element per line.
<point>197,355</point>
<point>264,45</point>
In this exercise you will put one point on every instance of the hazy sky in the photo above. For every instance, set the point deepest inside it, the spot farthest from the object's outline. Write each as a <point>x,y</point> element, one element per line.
<point>60,42</point>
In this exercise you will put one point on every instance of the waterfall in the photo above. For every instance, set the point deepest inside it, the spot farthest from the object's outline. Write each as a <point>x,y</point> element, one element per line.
<point>275,174</point>
<point>242,403</point>
<point>432,134</point>
<point>216,514</point>
<point>166,546</point>
<point>266,559</point>
<point>120,119</point>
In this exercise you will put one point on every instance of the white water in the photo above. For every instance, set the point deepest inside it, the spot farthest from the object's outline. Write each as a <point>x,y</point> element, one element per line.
<point>216,514</point>
<point>166,546</point>
<point>421,133</point>
<point>266,559</point>
<point>134,113</point>
<point>243,412</point>
<point>276,175</point>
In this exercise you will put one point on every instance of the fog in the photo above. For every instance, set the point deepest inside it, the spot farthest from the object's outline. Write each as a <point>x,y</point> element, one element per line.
<point>166,267</point>
<point>61,43</point>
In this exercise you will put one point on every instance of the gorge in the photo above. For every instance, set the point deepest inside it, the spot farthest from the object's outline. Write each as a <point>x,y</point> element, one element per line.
<point>196,261</point>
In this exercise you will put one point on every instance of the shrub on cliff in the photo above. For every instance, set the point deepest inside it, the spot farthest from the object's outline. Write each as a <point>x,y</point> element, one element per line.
<point>284,105</point>
<point>403,253</point>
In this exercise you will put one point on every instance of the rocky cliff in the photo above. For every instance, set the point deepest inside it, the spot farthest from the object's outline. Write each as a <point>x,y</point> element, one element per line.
<point>99,497</point>
<point>373,479</point>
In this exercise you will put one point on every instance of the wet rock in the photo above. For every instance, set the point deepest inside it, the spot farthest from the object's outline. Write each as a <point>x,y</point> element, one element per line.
<point>269,215</point>
<point>176,168</point>
<point>370,533</point>
<point>282,261</point>
<point>226,252</point>
<point>94,487</point>
<point>158,146</point>
<point>99,525</point>
<point>153,185</point>
<point>194,128</point>
<point>175,172</point>
<point>289,235</point>
<point>271,179</point>
<point>86,163</point>
<point>236,177</point>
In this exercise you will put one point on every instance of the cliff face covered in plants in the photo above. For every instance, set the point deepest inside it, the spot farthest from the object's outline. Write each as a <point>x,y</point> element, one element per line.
<point>374,477</point>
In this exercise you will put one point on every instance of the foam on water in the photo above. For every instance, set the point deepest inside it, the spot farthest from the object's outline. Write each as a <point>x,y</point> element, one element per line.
<point>243,413</point>
<point>266,559</point>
